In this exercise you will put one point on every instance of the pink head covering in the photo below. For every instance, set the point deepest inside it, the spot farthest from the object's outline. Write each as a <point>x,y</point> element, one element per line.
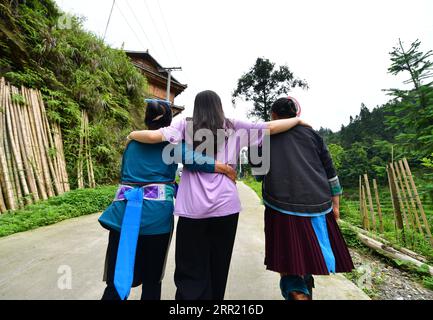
<point>298,106</point>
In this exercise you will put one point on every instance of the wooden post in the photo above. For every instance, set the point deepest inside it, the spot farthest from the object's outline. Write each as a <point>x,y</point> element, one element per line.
<point>370,202</point>
<point>379,209</point>
<point>418,200</point>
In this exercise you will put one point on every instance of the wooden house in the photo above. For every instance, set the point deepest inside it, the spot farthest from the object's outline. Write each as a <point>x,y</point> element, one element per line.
<point>157,78</point>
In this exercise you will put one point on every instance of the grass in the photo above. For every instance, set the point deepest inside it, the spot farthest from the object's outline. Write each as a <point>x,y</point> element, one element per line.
<point>69,205</point>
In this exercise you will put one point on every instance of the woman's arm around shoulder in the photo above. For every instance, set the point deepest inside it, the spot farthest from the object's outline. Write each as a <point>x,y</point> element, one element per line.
<point>147,136</point>
<point>283,125</point>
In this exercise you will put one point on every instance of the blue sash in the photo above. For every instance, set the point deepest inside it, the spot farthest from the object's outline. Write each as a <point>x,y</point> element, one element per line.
<point>124,271</point>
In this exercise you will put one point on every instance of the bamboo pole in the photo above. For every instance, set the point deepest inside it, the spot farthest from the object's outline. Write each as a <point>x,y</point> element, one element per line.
<point>361,212</point>
<point>418,200</point>
<point>48,142</point>
<point>44,160</point>
<point>62,158</point>
<point>25,151</point>
<point>28,168</point>
<point>404,197</point>
<point>400,201</point>
<point>397,224</point>
<point>57,159</point>
<point>396,229</point>
<point>16,152</point>
<point>412,202</point>
<point>370,202</point>
<point>91,175</point>
<point>80,179</point>
<point>65,172</point>
<point>45,146</point>
<point>385,242</point>
<point>365,213</point>
<point>6,182</point>
<point>391,252</point>
<point>9,156</point>
<point>36,160</point>
<point>86,149</point>
<point>2,201</point>
<point>379,209</point>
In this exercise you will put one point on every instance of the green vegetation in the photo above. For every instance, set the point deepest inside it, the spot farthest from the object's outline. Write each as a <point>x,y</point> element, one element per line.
<point>42,48</point>
<point>69,205</point>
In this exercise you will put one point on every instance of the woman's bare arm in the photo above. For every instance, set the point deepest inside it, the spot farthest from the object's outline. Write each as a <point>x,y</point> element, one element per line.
<point>147,136</point>
<point>283,125</point>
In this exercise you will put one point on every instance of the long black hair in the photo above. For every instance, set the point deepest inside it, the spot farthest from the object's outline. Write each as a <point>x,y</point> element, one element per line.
<point>209,114</point>
<point>285,108</point>
<point>158,114</point>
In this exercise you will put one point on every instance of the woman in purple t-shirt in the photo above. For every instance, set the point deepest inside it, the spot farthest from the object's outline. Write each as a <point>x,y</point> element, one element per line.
<point>208,205</point>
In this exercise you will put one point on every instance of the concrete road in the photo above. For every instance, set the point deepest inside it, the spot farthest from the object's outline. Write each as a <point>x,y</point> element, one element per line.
<point>66,260</point>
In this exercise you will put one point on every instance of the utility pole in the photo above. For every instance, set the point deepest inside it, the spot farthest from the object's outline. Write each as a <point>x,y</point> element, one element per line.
<point>169,70</point>
<point>109,18</point>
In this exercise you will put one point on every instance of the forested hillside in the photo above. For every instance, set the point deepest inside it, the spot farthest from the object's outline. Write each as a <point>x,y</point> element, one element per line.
<point>42,48</point>
<point>401,128</point>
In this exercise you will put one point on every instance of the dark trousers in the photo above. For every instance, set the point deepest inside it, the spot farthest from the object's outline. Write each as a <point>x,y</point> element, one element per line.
<point>149,266</point>
<point>203,254</point>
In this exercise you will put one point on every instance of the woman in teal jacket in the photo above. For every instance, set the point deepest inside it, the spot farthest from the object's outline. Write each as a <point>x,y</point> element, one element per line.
<point>140,219</point>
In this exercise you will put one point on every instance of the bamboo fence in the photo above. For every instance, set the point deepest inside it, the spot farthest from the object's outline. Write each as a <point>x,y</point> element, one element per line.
<point>409,214</point>
<point>32,162</point>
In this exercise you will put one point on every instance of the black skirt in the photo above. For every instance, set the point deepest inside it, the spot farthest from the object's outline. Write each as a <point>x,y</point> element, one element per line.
<point>292,246</point>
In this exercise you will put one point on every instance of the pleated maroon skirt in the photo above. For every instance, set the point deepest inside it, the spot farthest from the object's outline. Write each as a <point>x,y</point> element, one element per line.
<point>292,246</point>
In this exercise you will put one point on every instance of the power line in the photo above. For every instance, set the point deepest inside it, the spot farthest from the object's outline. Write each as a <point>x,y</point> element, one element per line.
<point>109,18</point>
<point>157,31</point>
<point>139,24</point>
<point>168,33</point>
<point>132,29</point>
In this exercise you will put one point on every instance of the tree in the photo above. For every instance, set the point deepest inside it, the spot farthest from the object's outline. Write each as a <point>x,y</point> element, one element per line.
<point>354,163</point>
<point>413,109</point>
<point>263,84</point>
<point>337,153</point>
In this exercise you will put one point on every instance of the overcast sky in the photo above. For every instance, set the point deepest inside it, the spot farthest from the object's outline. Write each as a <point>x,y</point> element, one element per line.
<point>340,47</point>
